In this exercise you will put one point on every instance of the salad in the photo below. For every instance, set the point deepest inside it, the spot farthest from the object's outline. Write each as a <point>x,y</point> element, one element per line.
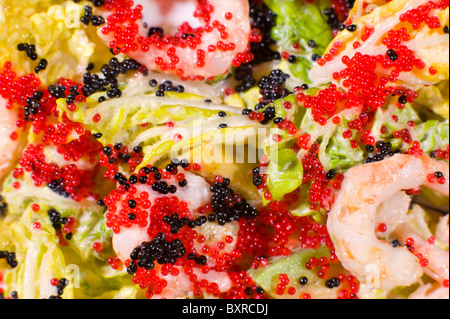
<point>242,149</point>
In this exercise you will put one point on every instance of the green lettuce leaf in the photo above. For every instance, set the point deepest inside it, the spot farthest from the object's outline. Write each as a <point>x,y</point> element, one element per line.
<point>434,98</point>
<point>300,22</point>
<point>42,256</point>
<point>223,145</point>
<point>54,27</point>
<point>88,214</point>
<point>284,174</point>
<point>336,152</point>
<point>39,257</point>
<point>293,267</point>
<point>432,134</point>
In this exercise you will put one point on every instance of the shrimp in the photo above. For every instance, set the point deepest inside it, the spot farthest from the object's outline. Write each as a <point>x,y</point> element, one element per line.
<point>195,194</point>
<point>205,51</point>
<point>437,266</point>
<point>180,286</point>
<point>442,232</point>
<point>352,219</point>
<point>9,147</point>
<point>430,291</point>
<point>368,41</point>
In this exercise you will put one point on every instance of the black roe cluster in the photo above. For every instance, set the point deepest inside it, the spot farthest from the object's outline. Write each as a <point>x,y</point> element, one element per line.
<point>88,17</point>
<point>59,92</point>
<point>62,283</point>
<point>10,258</point>
<point>176,223</point>
<point>257,178</point>
<point>96,3</point>
<point>33,105</point>
<point>57,187</point>
<point>271,86</point>
<point>166,86</point>
<point>225,207</point>
<point>57,221</point>
<point>262,18</point>
<point>333,19</point>
<point>13,295</point>
<point>123,156</point>
<point>3,207</point>
<point>29,49</point>
<point>108,82</point>
<point>159,249</point>
<point>381,150</point>
<point>158,31</point>
<point>332,283</point>
<point>158,186</point>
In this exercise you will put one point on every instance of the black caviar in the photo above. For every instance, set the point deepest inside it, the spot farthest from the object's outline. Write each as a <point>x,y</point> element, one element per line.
<point>176,223</point>
<point>42,65</point>
<point>10,258</point>
<point>159,250</point>
<point>263,19</point>
<point>3,207</point>
<point>32,105</point>
<point>271,86</point>
<point>57,187</point>
<point>392,55</point>
<point>62,284</point>
<point>333,20</point>
<point>167,86</point>
<point>257,178</point>
<point>352,27</point>
<point>94,83</point>
<point>332,283</point>
<point>303,281</point>
<point>228,206</point>
<point>29,49</point>
<point>88,17</point>
<point>383,150</point>
<point>57,221</point>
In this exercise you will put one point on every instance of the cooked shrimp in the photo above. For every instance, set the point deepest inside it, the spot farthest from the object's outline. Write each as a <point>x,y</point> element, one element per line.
<point>393,212</point>
<point>196,194</point>
<point>430,291</point>
<point>427,44</point>
<point>9,147</point>
<point>437,266</point>
<point>205,51</point>
<point>351,221</point>
<point>180,286</point>
<point>442,232</point>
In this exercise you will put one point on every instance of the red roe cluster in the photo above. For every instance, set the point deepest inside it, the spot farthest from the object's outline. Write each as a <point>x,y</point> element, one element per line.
<point>341,8</point>
<point>321,195</point>
<point>67,180</point>
<point>172,221</point>
<point>122,24</point>
<point>423,14</point>
<point>17,89</point>
<point>324,105</point>
<point>276,227</point>
<point>37,108</point>
<point>369,79</point>
<point>119,156</point>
